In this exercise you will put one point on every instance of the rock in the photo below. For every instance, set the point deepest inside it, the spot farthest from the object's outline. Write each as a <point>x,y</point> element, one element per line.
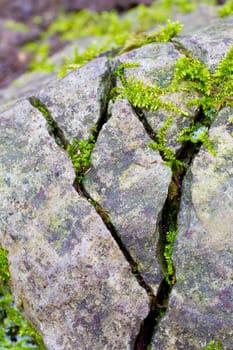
<point>78,101</point>
<point>67,273</point>
<point>72,266</point>
<point>130,182</point>
<point>211,45</point>
<point>200,307</point>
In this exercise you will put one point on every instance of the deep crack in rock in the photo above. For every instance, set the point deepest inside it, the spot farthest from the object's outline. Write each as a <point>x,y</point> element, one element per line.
<point>169,215</point>
<point>159,302</point>
<point>56,132</point>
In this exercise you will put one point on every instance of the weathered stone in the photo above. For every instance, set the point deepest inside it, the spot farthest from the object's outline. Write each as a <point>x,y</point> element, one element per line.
<point>156,66</point>
<point>67,273</point>
<point>211,45</point>
<point>78,101</point>
<point>201,303</point>
<point>130,182</point>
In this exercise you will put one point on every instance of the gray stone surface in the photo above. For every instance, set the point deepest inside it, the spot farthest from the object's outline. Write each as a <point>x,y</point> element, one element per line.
<point>130,182</point>
<point>201,303</point>
<point>211,45</point>
<point>67,273</point>
<point>78,101</point>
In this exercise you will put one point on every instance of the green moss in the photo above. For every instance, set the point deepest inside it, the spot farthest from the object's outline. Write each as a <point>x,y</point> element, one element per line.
<point>80,153</point>
<point>213,345</point>
<point>168,250</point>
<point>16,26</point>
<point>4,272</point>
<point>15,332</point>
<point>115,31</point>
<point>193,74</point>
<point>226,9</point>
<point>163,35</point>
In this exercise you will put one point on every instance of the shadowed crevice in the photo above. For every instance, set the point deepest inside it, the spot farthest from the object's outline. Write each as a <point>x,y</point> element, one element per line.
<point>54,130</point>
<point>168,221</point>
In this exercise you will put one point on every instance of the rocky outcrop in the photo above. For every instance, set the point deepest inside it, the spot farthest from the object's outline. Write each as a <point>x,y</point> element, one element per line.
<point>200,306</point>
<point>67,273</point>
<point>87,257</point>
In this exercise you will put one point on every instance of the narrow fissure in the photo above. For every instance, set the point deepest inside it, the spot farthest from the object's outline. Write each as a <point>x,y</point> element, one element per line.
<point>53,127</point>
<point>157,303</point>
<point>168,222</point>
<point>62,142</point>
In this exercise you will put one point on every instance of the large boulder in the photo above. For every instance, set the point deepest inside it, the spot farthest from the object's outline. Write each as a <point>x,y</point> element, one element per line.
<point>67,273</point>
<point>87,260</point>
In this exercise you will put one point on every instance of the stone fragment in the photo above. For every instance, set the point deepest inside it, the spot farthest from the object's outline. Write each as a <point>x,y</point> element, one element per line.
<point>67,273</point>
<point>130,182</point>
<point>211,45</point>
<point>156,66</point>
<point>78,101</point>
<point>201,303</point>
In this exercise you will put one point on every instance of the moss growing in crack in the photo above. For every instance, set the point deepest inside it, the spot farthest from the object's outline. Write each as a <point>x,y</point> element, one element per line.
<point>53,128</point>
<point>168,250</point>
<point>15,332</point>
<point>80,153</point>
<point>213,345</point>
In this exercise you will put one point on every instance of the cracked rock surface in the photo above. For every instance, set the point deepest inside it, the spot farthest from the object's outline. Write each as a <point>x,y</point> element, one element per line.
<point>84,261</point>
<point>131,182</point>
<point>77,101</point>
<point>67,272</point>
<point>200,307</point>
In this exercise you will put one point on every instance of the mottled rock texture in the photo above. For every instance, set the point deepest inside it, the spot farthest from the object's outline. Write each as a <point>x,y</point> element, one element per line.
<point>67,273</point>
<point>131,182</point>
<point>211,46</point>
<point>72,254</point>
<point>78,101</point>
<point>200,307</point>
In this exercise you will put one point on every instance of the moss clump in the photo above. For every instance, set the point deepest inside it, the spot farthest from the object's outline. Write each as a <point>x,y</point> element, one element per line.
<point>16,26</point>
<point>168,250</point>
<point>226,9</point>
<point>163,35</point>
<point>80,154</point>
<point>15,332</point>
<point>213,345</point>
